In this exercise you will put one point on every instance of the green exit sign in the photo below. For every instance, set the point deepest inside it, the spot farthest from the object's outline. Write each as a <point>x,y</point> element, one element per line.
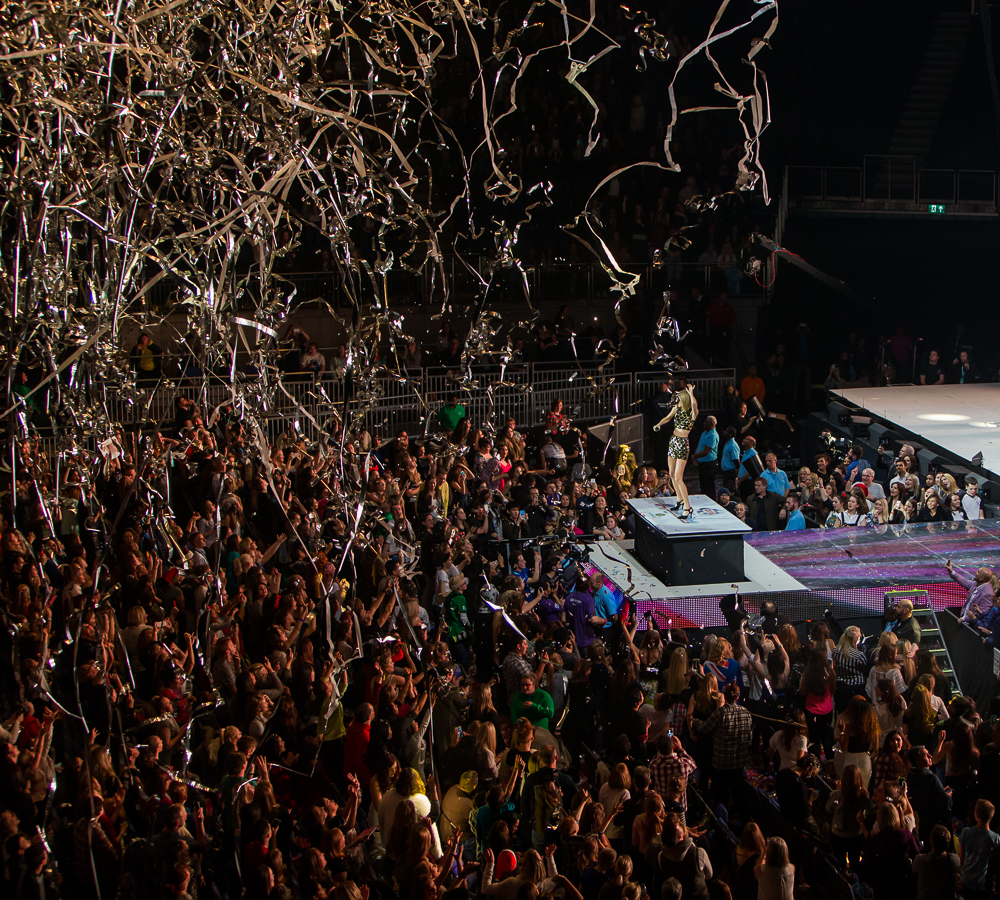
<point>935,207</point>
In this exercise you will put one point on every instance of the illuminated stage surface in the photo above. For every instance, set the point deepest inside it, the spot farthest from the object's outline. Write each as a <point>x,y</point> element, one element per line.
<point>708,518</point>
<point>887,556</point>
<point>963,419</point>
<point>804,571</point>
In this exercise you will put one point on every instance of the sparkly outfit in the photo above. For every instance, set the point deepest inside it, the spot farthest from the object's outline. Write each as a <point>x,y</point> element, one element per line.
<point>679,447</point>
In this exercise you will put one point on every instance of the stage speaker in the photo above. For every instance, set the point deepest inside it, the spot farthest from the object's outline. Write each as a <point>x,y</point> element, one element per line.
<point>835,410</point>
<point>930,459</point>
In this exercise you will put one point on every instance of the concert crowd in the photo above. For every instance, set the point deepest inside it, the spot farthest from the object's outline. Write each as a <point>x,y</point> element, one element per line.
<point>221,679</point>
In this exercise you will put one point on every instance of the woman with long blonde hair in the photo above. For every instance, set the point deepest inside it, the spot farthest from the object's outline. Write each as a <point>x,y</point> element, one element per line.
<point>481,709</point>
<point>683,413</point>
<point>920,716</point>
<point>485,736</point>
<point>671,705</point>
<point>905,653</point>
<point>857,735</point>
<point>721,663</point>
<point>851,666</point>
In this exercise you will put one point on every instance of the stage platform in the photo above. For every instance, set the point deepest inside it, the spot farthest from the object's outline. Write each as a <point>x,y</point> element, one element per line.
<point>805,572</point>
<point>704,548</point>
<point>628,574</point>
<point>961,419</point>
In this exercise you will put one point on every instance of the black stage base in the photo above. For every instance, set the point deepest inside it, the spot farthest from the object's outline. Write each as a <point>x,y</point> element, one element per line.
<point>704,549</point>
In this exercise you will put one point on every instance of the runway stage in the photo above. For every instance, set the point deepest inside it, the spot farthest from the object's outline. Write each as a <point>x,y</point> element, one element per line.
<point>962,419</point>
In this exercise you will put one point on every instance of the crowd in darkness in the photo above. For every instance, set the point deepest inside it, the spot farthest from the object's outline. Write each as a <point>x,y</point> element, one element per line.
<point>381,665</point>
<point>217,682</point>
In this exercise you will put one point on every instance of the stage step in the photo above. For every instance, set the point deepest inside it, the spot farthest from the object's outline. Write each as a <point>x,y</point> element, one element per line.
<point>931,638</point>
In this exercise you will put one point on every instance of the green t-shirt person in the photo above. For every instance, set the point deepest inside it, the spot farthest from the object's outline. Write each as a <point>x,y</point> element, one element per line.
<point>456,613</point>
<point>451,414</point>
<point>535,705</point>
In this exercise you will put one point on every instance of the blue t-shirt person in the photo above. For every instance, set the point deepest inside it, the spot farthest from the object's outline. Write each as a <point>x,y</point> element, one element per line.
<point>796,521</point>
<point>730,455</point>
<point>709,440</point>
<point>777,481</point>
<point>606,605</point>
<point>978,844</point>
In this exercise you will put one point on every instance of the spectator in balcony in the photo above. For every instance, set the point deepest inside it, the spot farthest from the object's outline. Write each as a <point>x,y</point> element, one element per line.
<point>452,356</point>
<point>708,256</point>
<point>901,345</point>
<point>932,372</point>
<point>720,326</point>
<point>412,356</point>
<point>963,371</point>
<point>555,420</point>
<point>451,414</point>
<point>546,343</point>
<point>443,339</point>
<point>752,385</point>
<point>639,234</point>
<point>146,358</point>
<point>730,268</point>
<point>312,360</point>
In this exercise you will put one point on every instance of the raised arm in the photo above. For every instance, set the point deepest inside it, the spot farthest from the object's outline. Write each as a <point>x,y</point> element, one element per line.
<point>665,419</point>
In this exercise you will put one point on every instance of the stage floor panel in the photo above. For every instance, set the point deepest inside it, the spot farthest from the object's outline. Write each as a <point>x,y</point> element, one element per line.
<point>963,419</point>
<point>883,556</point>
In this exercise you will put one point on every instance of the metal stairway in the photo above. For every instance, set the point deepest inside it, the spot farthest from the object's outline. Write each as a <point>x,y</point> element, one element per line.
<point>931,638</point>
<point>918,124</point>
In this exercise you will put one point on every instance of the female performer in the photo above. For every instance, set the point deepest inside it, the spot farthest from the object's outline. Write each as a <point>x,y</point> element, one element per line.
<point>684,413</point>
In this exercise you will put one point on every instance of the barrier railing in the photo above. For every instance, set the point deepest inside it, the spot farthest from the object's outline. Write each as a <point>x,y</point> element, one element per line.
<point>524,393</point>
<point>892,184</point>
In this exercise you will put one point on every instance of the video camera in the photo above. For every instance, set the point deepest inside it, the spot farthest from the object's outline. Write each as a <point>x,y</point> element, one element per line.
<point>837,447</point>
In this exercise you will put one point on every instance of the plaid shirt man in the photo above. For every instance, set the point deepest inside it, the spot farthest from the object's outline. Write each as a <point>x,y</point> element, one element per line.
<point>730,726</point>
<point>665,766</point>
<point>515,667</point>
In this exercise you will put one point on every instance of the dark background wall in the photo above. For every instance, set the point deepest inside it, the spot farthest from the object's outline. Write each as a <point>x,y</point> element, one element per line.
<point>840,76</point>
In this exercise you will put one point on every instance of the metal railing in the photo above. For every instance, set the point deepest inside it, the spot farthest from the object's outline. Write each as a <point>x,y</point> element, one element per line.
<point>524,393</point>
<point>892,184</point>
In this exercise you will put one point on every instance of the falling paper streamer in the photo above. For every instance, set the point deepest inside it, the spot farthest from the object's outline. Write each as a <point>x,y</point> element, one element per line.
<point>168,160</point>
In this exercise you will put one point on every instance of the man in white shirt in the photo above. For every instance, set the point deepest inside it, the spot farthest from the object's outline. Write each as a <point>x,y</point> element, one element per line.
<point>875,491</point>
<point>972,503</point>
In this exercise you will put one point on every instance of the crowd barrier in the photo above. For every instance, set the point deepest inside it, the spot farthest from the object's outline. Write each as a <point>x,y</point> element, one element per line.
<point>524,393</point>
